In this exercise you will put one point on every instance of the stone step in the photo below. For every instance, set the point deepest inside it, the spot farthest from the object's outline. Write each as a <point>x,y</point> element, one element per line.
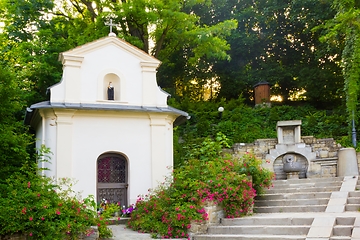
<point>260,230</point>
<point>300,208</point>
<point>354,194</point>
<point>347,221</point>
<point>353,200</point>
<point>311,189</point>
<point>307,185</point>
<point>308,195</point>
<point>340,238</point>
<point>340,230</point>
<point>254,220</point>
<point>308,180</point>
<point>248,237</point>
<point>352,207</point>
<point>291,202</point>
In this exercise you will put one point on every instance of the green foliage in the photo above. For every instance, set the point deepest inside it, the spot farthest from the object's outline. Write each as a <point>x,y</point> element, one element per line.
<point>251,166</point>
<point>31,40</point>
<point>14,140</point>
<point>243,124</point>
<point>38,207</point>
<point>208,149</point>
<point>344,30</point>
<point>169,211</point>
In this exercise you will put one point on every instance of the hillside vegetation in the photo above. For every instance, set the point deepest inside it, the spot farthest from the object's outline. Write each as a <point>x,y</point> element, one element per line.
<point>241,123</point>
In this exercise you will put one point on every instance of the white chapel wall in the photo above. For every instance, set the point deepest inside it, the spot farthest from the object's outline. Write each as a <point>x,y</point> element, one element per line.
<point>95,135</point>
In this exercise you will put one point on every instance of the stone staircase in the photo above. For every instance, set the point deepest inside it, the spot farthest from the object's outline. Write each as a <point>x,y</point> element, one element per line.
<point>302,209</point>
<point>301,195</point>
<point>353,200</point>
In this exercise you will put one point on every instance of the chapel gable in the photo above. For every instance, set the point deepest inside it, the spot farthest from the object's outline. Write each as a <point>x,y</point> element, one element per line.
<point>108,71</point>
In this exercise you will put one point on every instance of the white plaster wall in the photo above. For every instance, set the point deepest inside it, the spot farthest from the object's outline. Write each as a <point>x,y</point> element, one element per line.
<point>108,59</point>
<point>137,73</point>
<point>124,133</point>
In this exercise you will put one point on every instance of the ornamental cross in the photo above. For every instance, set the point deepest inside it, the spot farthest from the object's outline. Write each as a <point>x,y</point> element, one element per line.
<point>111,24</point>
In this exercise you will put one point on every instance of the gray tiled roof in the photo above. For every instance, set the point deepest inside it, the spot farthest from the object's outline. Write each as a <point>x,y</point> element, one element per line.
<point>113,107</point>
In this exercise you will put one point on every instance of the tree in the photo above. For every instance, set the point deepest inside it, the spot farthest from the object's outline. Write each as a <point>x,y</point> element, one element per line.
<point>14,140</point>
<point>45,28</point>
<point>344,29</point>
<point>274,42</point>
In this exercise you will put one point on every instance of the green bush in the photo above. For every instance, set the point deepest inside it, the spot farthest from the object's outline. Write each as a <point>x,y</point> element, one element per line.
<point>261,178</point>
<point>168,211</point>
<point>245,124</point>
<point>36,206</point>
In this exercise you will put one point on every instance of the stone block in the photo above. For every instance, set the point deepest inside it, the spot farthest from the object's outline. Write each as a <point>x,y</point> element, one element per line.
<point>197,228</point>
<point>335,209</point>
<point>323,222</point>
<point>320,232</point>
<point>315,167</point>
<point>356,233</point>
<point>337,201</point>
<point>339,194</point>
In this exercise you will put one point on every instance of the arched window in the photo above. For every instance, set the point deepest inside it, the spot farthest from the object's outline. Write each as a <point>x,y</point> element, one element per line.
<point>112,175</point>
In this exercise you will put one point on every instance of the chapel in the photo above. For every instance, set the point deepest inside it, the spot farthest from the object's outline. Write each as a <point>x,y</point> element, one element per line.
<point>107,123</point>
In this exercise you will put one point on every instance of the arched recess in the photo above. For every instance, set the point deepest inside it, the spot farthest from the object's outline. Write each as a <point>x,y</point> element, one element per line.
<point>279,163</point>
<point>117,80</point>
<point>112,178</point>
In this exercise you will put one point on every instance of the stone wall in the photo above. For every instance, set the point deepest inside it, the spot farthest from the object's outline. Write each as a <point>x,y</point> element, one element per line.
<point>214,213</point>
<point>323,162</point>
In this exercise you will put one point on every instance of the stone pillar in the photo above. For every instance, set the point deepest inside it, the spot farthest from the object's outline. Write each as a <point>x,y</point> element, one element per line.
<point>64,121</point>
<point>347,163</point>
<point>158,152</point>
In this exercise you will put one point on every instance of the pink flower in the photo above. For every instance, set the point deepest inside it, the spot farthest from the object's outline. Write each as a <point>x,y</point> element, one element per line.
<point>30,234</point>
<point>30,218</point>
<point>29,184</point>
<point>58,212</point>
<point>42,218</point>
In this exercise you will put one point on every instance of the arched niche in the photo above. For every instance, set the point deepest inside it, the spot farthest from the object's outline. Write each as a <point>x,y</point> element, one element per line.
<point>118,83</point>
<point>279,163</point>
<point>114,80</point>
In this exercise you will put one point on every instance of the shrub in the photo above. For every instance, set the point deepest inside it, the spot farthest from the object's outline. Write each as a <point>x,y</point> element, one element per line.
<point>36,206</point>
<point>251,166</point>
<point>168,211</point>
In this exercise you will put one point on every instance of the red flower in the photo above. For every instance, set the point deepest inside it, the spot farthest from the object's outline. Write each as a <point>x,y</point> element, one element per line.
<point>58,212</point>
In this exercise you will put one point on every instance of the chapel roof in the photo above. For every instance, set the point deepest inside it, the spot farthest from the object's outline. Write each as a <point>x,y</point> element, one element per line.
<point>106,41</point>
<point>183,116</point>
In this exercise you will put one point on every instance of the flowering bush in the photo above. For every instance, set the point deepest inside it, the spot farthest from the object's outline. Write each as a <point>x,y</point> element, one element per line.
<point>34,205</point>
<point>169,210</point>
<point>251,166</point>
<point>126,211</point>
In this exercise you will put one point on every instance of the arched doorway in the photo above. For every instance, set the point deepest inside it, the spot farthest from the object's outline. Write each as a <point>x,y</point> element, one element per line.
<point>112,175</point>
